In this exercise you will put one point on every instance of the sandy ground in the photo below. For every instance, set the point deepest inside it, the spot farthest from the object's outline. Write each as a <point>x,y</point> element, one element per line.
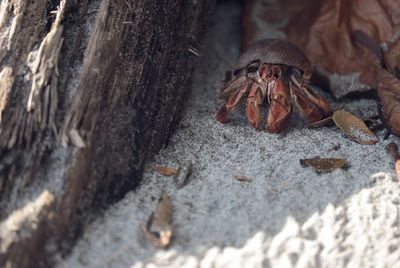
<point>288,216</point>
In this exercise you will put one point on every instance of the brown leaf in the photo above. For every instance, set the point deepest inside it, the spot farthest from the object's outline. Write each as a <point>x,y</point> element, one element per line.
<point>354,127</point>
<point>328,32</point>
<point>243,178</point>
<point>392,58</point>
<point>328,43</point>
<point>323,164</point>
<point>389,95</point>
<point>158,229</point>
<point>166,171</point>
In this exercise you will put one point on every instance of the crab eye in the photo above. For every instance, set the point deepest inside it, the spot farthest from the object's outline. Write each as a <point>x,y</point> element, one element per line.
<point>253,66</point>
<point>252,69</point>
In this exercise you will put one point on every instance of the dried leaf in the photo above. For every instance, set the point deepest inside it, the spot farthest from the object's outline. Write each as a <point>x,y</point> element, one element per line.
<point>323,164</point>
<point>389,96</point>
<point>354,127</point>
<point>158,229</point>
<point>328,32</point>
<point>392,58</point>
<point>243,178</point>
<point>167,171</point>
<point>328,43</point>
<point>183,175</point>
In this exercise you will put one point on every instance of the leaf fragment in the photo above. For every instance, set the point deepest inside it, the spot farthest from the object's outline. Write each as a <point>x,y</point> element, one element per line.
<point>354,128</point>
<point>158,229</point>
<point>166,171</point>
<point>323,164</point>
<point>388,93</point>
<point>183,174</point>
<point>243,178</point>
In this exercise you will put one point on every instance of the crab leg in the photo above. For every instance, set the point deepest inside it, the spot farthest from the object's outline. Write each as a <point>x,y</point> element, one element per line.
<point>253,106</point>
<point>310,104</point>
<point>232,86</point>
<point>280,106</point>
<point>223,112</point>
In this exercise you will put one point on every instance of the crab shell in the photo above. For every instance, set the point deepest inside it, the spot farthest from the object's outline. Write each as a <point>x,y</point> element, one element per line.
<point>261,73</point>
<point>274,51</point>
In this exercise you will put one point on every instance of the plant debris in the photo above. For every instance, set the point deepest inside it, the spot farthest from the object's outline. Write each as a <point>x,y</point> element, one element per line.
<point>333,35</point>
<point>323,164</point>
<point>167,171</point>
<point>243,178</point>
<point>388,93</point>
<point>324,122</point>
<point>158,228</point>
<point>183,175</point>
<point>354,127</point>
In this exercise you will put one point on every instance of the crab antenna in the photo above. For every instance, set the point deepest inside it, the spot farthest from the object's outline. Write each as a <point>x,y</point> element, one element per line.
<point>295,81</point>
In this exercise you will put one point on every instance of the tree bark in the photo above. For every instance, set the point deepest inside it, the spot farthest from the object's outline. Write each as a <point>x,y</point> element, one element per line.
<point>89,91</point>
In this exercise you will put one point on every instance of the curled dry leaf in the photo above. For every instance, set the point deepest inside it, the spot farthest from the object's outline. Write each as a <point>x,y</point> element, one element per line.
<point>323,164</point>
<point>325,29</point>
<point>392,59</point>
<point>354,127</point>
<point>166,171</point>
<point>389,96</point>
<point>183,175</point>
<point>243,178</point>
<point>158,229</point>
<point>328,39</point>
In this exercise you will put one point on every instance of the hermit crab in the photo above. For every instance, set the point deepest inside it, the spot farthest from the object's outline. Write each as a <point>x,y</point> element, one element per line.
<point>278,71</point>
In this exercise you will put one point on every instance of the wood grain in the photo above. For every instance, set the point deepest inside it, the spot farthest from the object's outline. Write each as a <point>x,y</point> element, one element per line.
<point>89,91</point>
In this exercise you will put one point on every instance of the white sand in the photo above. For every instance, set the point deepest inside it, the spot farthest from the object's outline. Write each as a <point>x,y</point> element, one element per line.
<point>288,216</point>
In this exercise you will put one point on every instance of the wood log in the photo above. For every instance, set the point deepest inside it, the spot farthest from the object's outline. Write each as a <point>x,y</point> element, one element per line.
<point>89,91</point>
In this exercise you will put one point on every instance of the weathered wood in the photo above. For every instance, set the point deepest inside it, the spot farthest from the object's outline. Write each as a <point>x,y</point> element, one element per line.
<point>89,90</point>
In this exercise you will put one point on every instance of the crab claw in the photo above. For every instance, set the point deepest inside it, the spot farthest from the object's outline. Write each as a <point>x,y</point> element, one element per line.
<point>253,106</point>
<point>280,106</point>
<point>223,112</point>
<point>310,104</point>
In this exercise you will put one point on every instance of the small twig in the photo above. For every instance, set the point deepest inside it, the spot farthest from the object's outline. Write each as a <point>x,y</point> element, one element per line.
<point>243,178</point>
<point>194,51</point>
